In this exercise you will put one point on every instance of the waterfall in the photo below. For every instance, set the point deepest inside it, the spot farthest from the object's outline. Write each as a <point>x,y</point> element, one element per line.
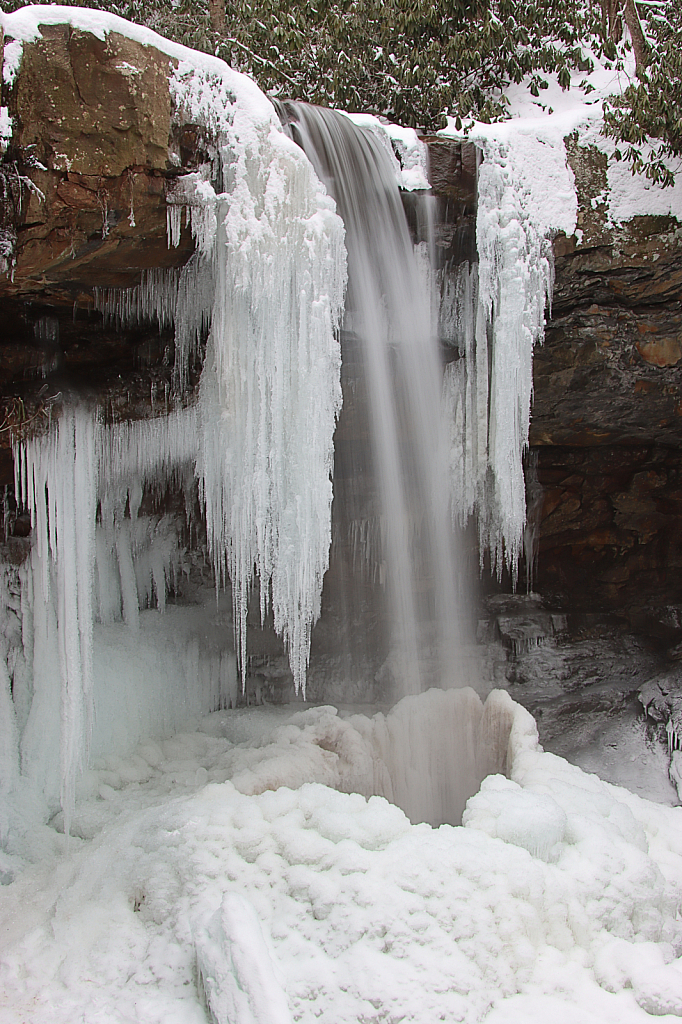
<point>389,311</point>
<point>87,674</point>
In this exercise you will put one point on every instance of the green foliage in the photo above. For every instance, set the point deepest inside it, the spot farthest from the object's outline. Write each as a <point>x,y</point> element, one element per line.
<point>414,61</point>
<point>646,120</point>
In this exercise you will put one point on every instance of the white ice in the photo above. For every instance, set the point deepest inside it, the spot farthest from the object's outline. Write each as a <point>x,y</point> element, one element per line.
<point>497,315</point>
<point>268,276</point>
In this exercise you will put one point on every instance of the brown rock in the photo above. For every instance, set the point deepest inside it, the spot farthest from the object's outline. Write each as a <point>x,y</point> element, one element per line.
<point>452,168</point>
<point>660,351</point>
<point>96,114</point>
<point>90,105</point>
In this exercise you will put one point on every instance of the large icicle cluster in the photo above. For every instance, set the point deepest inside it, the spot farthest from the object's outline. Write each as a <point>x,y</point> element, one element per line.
<point>498,310</point>
<point>267,281</point>
<point>81,571</point>
<point>270,391</point>
<point>269,276</point>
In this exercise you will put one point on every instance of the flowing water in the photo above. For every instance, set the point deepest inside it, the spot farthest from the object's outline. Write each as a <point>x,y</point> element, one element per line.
<point>389,312</point>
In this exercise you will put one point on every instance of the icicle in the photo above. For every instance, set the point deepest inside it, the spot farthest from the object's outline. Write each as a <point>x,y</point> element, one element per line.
<point>154,299</point>
<point>174,225</point>
<point>196,289</point>
<point>269,275</point>
<point>270,390</point>
<point>147,450</point>
<point>499,316</point>
<point>60,485</point>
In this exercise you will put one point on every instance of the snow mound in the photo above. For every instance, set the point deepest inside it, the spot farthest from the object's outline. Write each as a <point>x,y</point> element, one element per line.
<point>530,820</point>
<point>326,905</point>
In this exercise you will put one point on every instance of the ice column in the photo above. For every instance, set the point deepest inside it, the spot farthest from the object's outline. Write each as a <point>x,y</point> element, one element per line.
<point>59,484</point>
<point>525,195</point>
<point>270,389</point>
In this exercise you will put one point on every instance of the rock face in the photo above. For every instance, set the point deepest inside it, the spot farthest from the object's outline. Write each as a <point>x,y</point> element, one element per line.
<point>96,148</point>
<point>93,133</point>
<point>83,201</point>
<point>607,415</point>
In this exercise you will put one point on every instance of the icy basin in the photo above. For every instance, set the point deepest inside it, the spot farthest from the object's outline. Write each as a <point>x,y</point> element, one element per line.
<point>229,873</point>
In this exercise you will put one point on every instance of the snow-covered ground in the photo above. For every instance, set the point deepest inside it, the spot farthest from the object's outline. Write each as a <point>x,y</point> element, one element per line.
<point>557,900</point>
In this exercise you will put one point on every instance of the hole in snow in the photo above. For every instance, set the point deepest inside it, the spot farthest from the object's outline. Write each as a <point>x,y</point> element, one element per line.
<point>430,753</point>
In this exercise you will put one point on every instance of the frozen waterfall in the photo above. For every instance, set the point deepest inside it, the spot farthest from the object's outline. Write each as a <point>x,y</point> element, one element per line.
<point>268,276</point>
<point>264,293</point>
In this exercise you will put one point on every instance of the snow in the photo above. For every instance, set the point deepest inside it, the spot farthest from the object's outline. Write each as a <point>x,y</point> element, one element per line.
<point>6,124</point>
<point>558,114</point>
<point>236,968</point>
<point>11,59</point>
<point>328,905</point>
<point>409,154</point>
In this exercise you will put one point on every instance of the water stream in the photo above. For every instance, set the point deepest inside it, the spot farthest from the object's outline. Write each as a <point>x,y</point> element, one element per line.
<point>389,312</point>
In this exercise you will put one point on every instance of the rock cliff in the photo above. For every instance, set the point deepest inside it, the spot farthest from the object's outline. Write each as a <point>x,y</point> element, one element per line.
<point>96,148</point>
<point>607,415</point>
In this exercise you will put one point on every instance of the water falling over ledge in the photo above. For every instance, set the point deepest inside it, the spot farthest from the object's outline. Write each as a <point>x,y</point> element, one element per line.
<point>267,282</point>
<point>389,312</point>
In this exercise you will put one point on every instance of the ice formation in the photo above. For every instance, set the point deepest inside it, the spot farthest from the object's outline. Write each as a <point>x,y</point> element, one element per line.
<point>81,570</point>
<point>496,313</point>
<point>267,282</point>
<point>268,275</point>
<point>226,848</point>
<point>236,967</point>
<point>264,292</point>
<point>487,393</point>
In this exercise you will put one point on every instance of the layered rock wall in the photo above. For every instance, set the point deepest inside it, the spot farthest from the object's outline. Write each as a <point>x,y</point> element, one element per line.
<point>95,149</point>
<point>607,413</point>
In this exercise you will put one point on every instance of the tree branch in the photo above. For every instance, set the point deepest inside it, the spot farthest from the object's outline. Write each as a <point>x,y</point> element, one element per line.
<point>639,43</point>
<point>216,9</point>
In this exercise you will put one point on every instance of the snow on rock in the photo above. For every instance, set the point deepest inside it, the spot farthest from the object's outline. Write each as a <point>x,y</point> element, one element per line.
<point>631,195</point>
<point>6,127</point>
<point>337,906</point>
<point>634,195</point>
